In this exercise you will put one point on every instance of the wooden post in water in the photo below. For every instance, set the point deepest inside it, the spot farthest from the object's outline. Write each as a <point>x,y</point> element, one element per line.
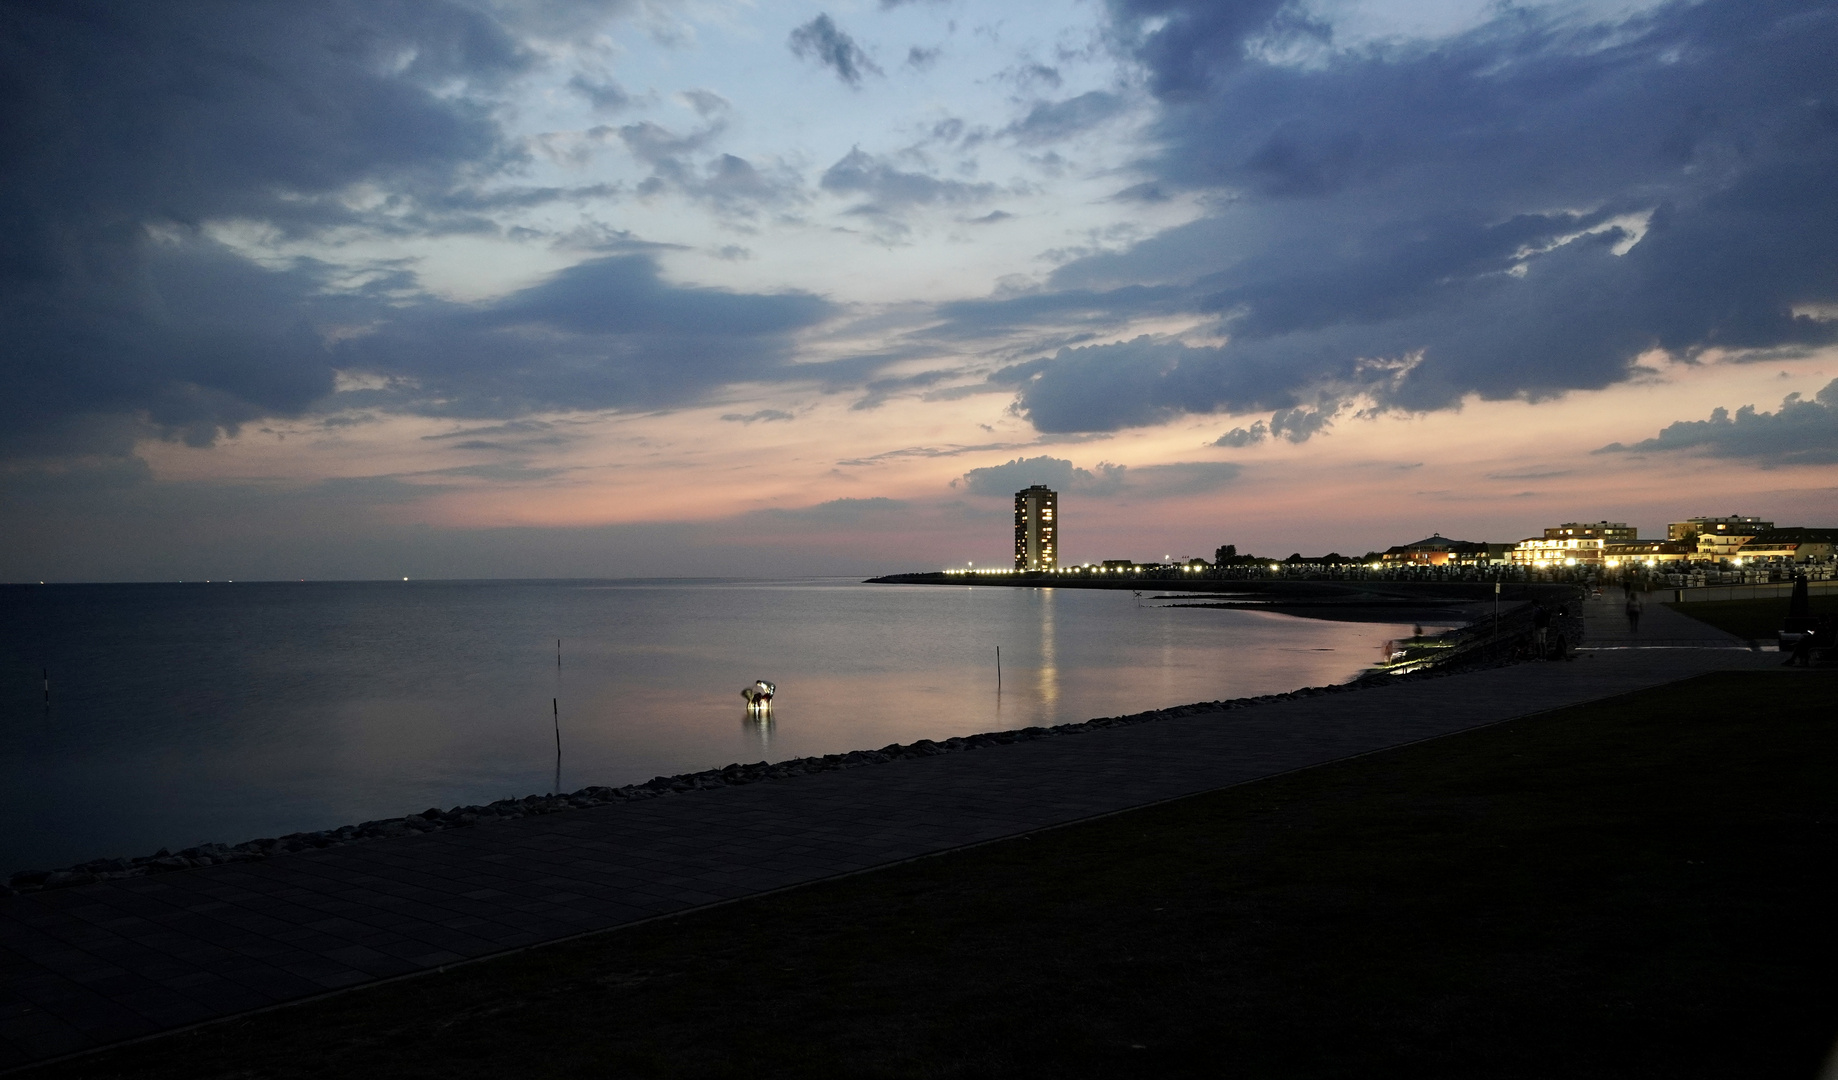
<point>998,669</point>
<point>555,710</point>
<point>558,652</point>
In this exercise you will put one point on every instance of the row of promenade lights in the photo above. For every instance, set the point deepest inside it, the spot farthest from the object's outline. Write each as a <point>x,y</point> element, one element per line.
<point>1190,568</point>
<point>970,568</point>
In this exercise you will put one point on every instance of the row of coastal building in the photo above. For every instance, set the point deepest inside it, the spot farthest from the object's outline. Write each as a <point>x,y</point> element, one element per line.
<point>1735,540</point>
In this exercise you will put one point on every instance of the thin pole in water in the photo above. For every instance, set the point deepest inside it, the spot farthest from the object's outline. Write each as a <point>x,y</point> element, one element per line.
<point>998,669</point>
<point>555,710</point>
<point>558,652</point>
<point>47,674</point>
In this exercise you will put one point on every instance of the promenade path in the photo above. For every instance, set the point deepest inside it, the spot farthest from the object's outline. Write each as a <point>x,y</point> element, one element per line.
<point>85,967</point>
<point>1660,626</point>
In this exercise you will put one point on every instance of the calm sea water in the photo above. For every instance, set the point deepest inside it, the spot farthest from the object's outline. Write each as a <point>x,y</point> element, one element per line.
<point>188,713</point>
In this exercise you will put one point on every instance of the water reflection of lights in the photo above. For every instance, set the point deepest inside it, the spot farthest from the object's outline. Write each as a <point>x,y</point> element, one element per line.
<point>1049,655</point>
<point>758,726</point>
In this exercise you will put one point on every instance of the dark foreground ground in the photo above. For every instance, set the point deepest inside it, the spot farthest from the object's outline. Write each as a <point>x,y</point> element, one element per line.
<point>1758,620</point>
<point>1641,887</point>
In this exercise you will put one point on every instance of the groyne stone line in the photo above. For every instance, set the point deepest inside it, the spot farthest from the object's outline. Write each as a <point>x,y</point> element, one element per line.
<point>92,965</point>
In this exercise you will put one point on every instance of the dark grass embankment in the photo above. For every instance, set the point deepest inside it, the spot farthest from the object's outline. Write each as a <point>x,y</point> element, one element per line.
<point>1641,887</point>
<point>1751,620</point>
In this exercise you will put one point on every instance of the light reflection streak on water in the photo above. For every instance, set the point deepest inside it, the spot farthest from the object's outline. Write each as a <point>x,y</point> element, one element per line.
<point>757,725</point>
<point>1048,693</point>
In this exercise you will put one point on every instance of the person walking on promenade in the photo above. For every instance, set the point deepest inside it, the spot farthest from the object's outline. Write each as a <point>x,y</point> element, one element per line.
<point>1634,607</point>
<point>1541,629</point>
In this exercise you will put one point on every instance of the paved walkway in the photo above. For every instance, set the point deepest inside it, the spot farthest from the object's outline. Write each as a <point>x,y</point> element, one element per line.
<point>1605,619</point>
<point>84,967</point>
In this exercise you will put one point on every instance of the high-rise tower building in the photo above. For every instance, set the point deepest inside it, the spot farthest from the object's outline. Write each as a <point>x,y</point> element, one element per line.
<point>1037,529</point>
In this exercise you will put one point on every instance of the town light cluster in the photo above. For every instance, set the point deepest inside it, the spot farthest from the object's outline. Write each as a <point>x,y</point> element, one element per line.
<point>1574,545</point>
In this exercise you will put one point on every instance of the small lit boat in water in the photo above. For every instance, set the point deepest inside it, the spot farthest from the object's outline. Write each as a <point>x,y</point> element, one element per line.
<point>759,695</point>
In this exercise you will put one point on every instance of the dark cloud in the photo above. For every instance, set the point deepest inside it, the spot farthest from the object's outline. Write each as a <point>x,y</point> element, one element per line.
<point>1801,432</point>
<point>879,390</point>
<point>187,112</point>
<point>604,95</point>
<point>889,189</point>
<point>553,20</point>
<point>1101,387</point>
<point>735,184</point>
<point>950,130</point>
<point>1171,480</point>
<point>605,333</point>
<point>823,41</point>
<point>707,103</point>
<point>1300,423</point>
<point>1050,121</point>
<point>925,452</point>
<point>655,144</point>
<point>127,127</point>
<point>1383,221</point>
<point>1056,473</point>
<point>519,428</point>
<point>130,129</point>
<point>594,236</point>
<point>1146,192</point>
<point>763,415</point>
<point>1239,437</point>
<point>1186,46</point>
<point>919,58</point>
<point>1297,425</point>
<point>726,181</point>
<point>1072,314</point>
<point>1032,74</point>
<point>345,420</point>
<point>514,437</point>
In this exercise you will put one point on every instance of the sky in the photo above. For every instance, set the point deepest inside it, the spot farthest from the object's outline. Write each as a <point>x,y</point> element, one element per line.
<point>531,288</point>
